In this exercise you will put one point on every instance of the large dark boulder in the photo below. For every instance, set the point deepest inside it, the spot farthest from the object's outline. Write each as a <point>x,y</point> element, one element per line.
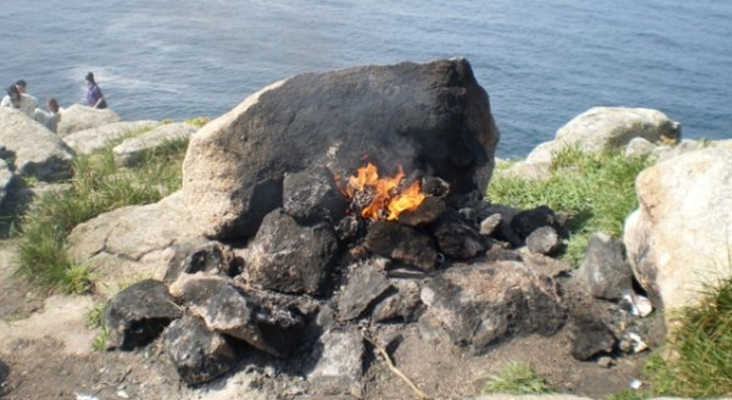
<point>432,117</point>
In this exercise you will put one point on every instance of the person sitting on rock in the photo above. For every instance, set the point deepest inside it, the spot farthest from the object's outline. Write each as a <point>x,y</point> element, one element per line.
<point>20,101</point>
<point>50,117</point>
<point>31,100</point>
<point>94,97</point>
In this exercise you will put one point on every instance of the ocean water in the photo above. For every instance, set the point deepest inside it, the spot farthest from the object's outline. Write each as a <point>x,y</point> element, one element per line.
<point>542,62</point>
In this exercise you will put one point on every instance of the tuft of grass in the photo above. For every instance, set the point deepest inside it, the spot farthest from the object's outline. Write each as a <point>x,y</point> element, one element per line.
<point>517,378</point>
<point>98,186</point>
<point>702,348</point>
<point>597,190</point>
<point>198,121</point>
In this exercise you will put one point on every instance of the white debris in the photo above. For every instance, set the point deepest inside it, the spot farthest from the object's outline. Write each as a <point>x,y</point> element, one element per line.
<point>123,394</point>
<point>636,384</point>
<point>82,396</point>
<point>644,306</point>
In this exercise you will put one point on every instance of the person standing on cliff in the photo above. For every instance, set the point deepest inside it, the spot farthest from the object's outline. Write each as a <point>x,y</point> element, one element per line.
<point>28,102</point>
<point>94,96</point>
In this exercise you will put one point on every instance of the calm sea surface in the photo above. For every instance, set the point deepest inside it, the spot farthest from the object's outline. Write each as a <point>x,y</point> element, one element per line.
<point>542,62</point>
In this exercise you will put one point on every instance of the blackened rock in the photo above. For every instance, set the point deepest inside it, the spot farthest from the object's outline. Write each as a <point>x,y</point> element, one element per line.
<point>211,258</point>
<point>428,211</point>
<point>226,309</point>
<point>456,238</point>
<point>544,240</point>
<point>198,354</point>
<point>365,284</point>
<point>432,117</point>
<point>312,196</point>
<point>480,303</point>
<point>402,243</point>
<point>589,336</point>
<point>138,314</point>
<point>289,258</point>
<point>605,269</point>
<point>404,304</point>
<point>528,221</point>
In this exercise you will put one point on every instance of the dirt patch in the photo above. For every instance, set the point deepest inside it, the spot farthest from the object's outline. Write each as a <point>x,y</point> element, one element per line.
<point>19,299</point>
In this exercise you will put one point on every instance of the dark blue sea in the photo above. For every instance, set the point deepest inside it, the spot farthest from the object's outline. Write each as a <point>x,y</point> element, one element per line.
<point>542,62</point>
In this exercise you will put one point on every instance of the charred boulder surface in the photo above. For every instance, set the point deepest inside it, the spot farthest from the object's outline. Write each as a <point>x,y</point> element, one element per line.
<point>432,117</point>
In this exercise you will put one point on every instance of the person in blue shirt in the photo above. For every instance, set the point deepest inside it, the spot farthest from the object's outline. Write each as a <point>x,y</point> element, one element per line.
<point>94,96</point>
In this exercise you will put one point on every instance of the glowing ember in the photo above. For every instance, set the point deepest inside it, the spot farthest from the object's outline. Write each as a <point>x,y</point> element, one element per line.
<point>387,201</point>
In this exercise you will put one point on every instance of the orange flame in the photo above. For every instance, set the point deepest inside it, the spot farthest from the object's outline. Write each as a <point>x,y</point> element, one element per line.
<point>387,202</point>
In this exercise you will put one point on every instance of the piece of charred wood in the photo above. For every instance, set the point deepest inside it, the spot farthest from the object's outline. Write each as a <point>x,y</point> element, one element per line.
<point>402,243</point>
<point>426,213</point>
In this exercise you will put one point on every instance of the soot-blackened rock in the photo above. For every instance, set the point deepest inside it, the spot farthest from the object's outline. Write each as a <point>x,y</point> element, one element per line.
<point>456,238</point>
<point>312,196</point>
<point>402,243</point>
<point>428,212</point>
<point>227,309</point>
<point>290,258</point>
<point>589,336</point>
<point>199,355</point>
<point>404,304</point>
<point>138,314</point>
<point>605,269</point>
<point>211,258</point>
<point>528,221</point>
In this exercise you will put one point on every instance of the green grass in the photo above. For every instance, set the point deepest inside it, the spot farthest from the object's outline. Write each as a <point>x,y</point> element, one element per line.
<point>517,378</point>
<point>702,349</point>
<point>597,190</point>
<point>98,186</point>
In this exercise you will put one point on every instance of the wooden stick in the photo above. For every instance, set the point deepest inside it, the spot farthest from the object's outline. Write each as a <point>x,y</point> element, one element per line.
<point>420,394</point>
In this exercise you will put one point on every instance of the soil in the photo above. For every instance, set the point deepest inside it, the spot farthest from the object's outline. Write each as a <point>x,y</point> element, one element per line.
<point>46,353</point>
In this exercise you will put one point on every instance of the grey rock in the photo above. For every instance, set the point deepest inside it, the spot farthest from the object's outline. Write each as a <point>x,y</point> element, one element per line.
<point>138,314</point>
<point>78,118</point>
<point>432,115</point>
<point>135,242</point>
<point>289,258</point>
<point>480,303</point>
<point>404,304</point>
<point>131,152</point>
<point>544,240</point>
<point>488,225</point>
<point>198,354</point>
<point>365,284</point>
<point>337,363</point>
<point>97,138</point>
<point>678,242</point>
<point>605,269</point>
<point>228,310</point>
<point>31,150</point>
<point>639,147</point>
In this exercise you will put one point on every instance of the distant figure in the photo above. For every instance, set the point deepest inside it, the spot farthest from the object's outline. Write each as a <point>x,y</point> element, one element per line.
<point>94,97</point>
<point>51,117</point>
<point>20,101</point>
<point>31,102</point>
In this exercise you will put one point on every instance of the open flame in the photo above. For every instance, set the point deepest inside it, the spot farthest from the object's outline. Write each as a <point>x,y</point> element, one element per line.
<point>387,201</point>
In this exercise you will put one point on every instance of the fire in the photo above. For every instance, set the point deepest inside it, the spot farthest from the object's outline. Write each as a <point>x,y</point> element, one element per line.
<point>387,200</point>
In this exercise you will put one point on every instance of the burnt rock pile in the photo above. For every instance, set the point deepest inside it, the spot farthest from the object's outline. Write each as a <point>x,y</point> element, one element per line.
<point>306,258</point>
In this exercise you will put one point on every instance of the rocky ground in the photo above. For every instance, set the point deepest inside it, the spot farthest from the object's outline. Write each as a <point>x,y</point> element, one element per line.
<point>46,353</point>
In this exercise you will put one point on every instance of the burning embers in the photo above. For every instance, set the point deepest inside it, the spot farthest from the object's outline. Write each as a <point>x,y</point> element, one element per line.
<point>380,198</point>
